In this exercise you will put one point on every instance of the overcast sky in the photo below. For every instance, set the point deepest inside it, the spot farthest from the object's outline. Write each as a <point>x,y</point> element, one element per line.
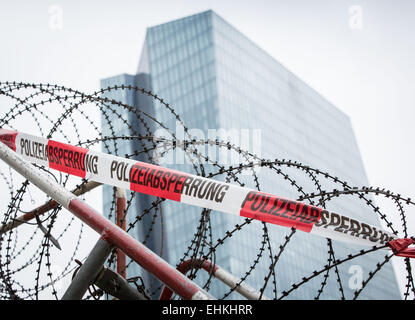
<point>365,68</point>
<point>357,54</point>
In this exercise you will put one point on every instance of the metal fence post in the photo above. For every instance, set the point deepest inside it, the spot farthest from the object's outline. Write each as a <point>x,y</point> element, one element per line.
<point>221,274</point>
<point>121,204</point>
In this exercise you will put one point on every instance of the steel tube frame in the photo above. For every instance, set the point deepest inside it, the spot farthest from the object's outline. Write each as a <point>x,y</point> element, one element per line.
<point>221,274</point>
<point>110,232</point>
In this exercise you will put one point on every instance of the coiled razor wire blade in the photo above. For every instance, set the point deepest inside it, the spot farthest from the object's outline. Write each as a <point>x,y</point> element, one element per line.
<point>27,256</point>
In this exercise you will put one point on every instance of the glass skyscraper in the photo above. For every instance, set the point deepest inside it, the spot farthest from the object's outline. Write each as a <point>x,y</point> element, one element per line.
<point>216,78</point>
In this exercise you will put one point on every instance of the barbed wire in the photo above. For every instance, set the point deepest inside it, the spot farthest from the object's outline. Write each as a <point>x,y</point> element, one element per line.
<point>71,116</point>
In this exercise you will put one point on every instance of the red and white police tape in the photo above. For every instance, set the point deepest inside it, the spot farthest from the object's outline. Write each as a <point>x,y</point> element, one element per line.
<point>109,231</point>
<point>199,191</point>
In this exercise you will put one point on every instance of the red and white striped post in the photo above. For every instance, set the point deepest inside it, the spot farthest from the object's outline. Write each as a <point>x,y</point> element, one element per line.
<point>110,232</point>
<point>221,274</point>
<point>121,204</point>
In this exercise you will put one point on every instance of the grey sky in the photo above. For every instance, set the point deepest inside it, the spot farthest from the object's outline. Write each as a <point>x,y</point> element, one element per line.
<point>368,73</point>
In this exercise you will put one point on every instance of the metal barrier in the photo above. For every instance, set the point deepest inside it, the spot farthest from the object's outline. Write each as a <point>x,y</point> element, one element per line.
<point>109,232</point>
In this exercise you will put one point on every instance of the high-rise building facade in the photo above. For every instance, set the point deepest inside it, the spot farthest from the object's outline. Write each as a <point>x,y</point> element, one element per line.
<point>216,78</point>
<point>114,124</point>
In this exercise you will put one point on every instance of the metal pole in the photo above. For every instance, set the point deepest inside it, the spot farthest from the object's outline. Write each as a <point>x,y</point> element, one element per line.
<point>93,271</point>
<point>221,274</point>
<point>150,261</point>
<point>88,271</point>
<point>121,204</point>
<point>49,205</point>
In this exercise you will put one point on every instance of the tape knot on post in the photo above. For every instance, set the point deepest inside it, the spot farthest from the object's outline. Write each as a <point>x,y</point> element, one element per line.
<point>105,235</point>
<point>400,247</point>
